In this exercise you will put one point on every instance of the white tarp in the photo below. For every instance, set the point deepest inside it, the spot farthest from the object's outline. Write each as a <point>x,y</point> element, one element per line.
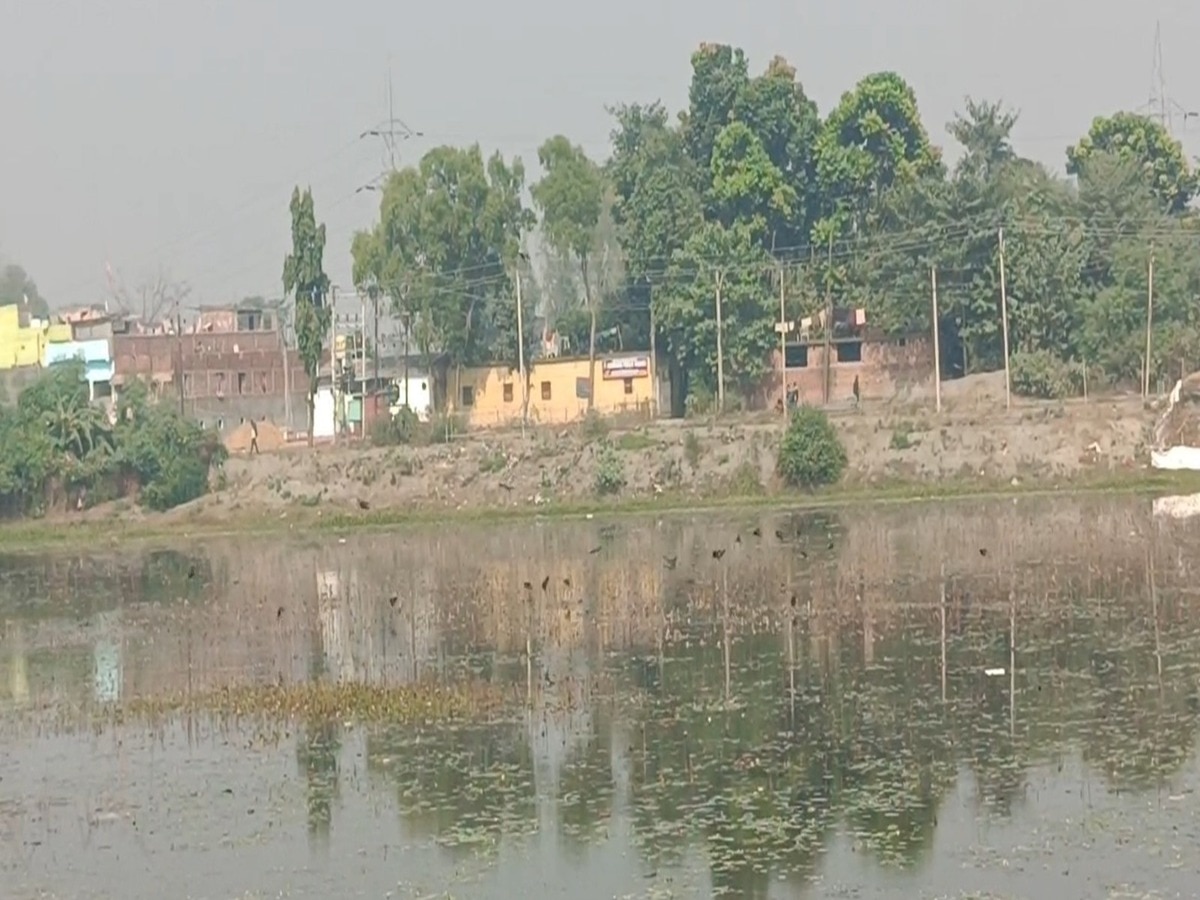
<point>1173,458</point>
<point>1180,506</point>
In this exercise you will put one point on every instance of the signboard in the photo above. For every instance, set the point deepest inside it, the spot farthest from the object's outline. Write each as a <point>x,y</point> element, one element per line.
<point>626,367</point>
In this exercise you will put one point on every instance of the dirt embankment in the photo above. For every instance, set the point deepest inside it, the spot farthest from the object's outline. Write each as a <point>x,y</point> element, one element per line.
<point>975,439</point>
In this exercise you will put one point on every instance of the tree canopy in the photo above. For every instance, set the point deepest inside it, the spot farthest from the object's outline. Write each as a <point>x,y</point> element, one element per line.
<point>749,180</point>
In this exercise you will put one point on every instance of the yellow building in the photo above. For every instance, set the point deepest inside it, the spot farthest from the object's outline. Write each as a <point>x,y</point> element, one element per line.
<point>558,390</point>
<point>19,346</point>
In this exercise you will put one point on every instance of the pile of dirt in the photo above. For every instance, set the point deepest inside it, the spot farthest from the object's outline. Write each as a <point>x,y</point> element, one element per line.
<point>270,437</point>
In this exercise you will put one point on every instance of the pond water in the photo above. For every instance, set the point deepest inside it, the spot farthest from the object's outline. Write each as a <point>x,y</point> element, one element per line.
<point>980,700</point>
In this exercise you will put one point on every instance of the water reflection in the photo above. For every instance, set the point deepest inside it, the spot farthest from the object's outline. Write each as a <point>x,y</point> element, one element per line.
<point>876,701</point>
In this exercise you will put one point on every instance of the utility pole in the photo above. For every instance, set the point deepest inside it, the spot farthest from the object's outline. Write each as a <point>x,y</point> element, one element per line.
<point>653,357</point>
<point>828,362</point>
<point>332,359</point>
<point>720,352</point>
<point>1004,325</point>
<point>390,131</point>
<point>783,328</point>
<point>937,347</point>
<point>1149,323</point>
<point>521,354</point>
<point>179,353</point>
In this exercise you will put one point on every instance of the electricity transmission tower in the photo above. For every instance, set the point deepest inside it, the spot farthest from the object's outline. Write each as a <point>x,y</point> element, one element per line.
<point>391,131</point>
<point>1161,106</point>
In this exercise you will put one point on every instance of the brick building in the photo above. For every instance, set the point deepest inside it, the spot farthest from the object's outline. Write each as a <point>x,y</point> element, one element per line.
<point>885,368</point>
<point>228,375</point>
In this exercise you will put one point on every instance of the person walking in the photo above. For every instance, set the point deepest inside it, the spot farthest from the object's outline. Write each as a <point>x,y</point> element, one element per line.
<point>254,429</point>
<point>857,395</point>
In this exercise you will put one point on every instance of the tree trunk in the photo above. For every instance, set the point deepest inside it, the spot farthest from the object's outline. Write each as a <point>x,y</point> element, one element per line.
<point>312,404</point>
<point>587,295</point>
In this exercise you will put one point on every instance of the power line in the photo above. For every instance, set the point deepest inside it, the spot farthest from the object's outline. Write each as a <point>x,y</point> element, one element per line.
<point>391,131</point>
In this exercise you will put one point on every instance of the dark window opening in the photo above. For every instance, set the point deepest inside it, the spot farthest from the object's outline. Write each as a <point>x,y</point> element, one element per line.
<point>795,356</point>
<point>849,351</point>
<point>545,390</point>
<point>241,382</point>
<point>628,385</point>
<point>508,393</point>
<point>468,396</point>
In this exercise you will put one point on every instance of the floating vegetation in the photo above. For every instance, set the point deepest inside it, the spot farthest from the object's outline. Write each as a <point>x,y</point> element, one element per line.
<point>348,702</point>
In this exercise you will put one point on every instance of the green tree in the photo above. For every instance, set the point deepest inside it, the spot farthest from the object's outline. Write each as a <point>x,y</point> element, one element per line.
<point>811,453</point>
<point>448,237</point>
<point>304,278</point>
<point>571,197</point>
<point>746,187</point>
<point>871,140</point>
<point>16,287</point>
<point>984,129</point>
<point>685,308</point>
<point>1147,144</point>
<point>720,75</point>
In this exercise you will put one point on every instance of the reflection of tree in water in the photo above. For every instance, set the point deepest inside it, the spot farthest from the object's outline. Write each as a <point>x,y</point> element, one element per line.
<point>585,789</point>
<point>317,757</point>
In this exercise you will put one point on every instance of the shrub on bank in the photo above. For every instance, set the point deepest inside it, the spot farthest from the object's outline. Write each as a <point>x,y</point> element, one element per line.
<point>811,453</point>
<point>1043,375</point>
<point>56,441</point>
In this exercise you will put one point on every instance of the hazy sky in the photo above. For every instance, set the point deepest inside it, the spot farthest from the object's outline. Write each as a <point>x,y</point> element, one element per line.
<point>168,134</point>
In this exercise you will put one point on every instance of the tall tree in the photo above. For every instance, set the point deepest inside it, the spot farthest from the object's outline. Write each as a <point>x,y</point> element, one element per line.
<point>304,278</point>
<point>984,129</point>
<point>444,249</point>
<point>872,139</point>
<point>1147,144</point>
<point>16,287</point>
<point>571,197</point>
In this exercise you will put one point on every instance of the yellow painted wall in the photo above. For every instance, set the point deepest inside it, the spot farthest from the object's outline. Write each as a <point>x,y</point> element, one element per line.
<point>18,346</point>
<point>59,333</point>
<point>481,395</point>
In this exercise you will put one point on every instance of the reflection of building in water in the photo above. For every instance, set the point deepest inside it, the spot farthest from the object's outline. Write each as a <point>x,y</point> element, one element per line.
<point>366,637</point>
<point>18,668</point>
<point>106,657</point>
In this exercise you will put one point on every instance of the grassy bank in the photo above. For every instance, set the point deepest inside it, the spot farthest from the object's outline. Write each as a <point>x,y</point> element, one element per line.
<point>31,534</point>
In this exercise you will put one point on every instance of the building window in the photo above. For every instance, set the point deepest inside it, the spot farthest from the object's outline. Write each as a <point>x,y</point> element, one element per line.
<point>545,390</point>
<point>220,384</point>
<point>468,395</point>
<point>241,382</point>
<point>849,352</point>
<point>795,356</point>
<point>628,385</point>
<point>187,385</point>
<point>508,392</point>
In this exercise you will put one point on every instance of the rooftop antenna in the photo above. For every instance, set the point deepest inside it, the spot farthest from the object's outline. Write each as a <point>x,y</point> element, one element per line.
<point>1160,106</point>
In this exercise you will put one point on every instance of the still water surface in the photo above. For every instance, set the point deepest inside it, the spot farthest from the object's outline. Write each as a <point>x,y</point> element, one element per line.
<point>988,700</point>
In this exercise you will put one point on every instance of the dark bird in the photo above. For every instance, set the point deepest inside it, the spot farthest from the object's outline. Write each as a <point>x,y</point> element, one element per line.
<point>983,551</point>
<point>757,532</point>
<point>545,582</point>
<point>717,554</point>
<point>566,582</point>
<point>392,600</point>
<point>279,613</point>
<point>191,571</point>
<point>594,550</point>
<point>804,554</point>
<point>670,561</point>
<point>506,485</point>
<point>779,534</point>
<point>363,504</point>
<point>529,585</point>
<point>793,601</point>
<point>737,539</point>
<point>829,546</point>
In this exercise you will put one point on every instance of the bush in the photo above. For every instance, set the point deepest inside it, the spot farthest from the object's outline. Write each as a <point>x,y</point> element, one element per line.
<point>1043,375</point>
<point>811,453</point>
<point>610,472</point>
<point>390,431</point>
<point>594,427</point>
